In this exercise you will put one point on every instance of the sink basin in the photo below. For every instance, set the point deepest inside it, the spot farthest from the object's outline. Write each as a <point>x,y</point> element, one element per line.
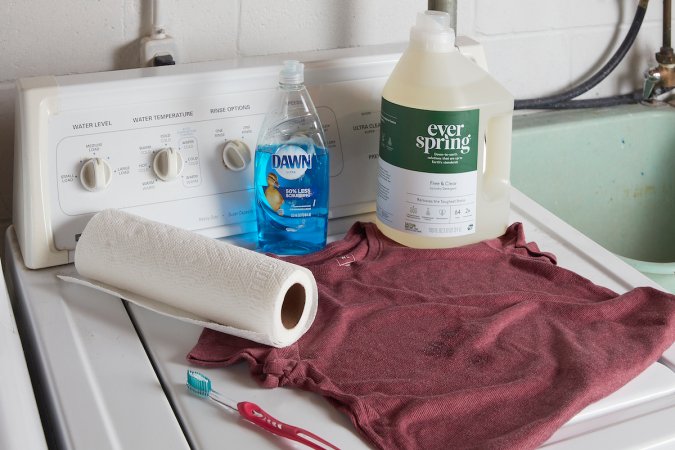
<point>610,173</point>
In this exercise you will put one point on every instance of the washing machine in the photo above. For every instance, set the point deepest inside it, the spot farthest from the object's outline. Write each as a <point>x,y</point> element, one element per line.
<point>110,375</point>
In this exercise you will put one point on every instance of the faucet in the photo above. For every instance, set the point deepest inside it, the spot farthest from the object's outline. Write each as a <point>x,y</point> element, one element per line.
<point>661,78</point>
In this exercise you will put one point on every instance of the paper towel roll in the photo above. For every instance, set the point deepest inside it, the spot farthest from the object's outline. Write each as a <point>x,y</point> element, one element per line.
<point>196,278</point>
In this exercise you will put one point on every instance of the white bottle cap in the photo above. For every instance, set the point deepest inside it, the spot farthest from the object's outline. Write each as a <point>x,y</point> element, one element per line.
<point>293,72</point>
<point>432,29</point>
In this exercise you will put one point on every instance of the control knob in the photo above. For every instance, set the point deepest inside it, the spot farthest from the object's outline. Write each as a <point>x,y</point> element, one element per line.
<point>168,164</point>
<point>236,155</point>
<point>95,174</point>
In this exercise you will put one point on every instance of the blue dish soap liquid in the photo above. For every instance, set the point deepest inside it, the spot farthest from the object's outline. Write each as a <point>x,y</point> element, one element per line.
<point>291,171</point>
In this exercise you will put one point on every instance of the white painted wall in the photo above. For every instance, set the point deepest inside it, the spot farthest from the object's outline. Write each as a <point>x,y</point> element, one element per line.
<point>534,47</point>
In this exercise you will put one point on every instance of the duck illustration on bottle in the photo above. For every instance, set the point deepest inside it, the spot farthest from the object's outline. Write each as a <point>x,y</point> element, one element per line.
<point>273,196</point>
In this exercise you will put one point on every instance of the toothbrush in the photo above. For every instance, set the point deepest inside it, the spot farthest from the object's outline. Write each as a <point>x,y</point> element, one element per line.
<point>200,385</point>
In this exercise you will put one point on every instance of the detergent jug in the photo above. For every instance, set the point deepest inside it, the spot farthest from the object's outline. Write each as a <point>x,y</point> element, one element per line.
<point>445,144</point>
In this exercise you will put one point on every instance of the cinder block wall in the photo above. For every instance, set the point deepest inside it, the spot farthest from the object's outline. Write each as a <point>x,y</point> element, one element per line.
<point>536,47</point>
<point>533,47</point>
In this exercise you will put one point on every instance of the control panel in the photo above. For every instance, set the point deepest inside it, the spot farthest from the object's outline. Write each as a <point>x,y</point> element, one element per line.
<point>177,144</point>
<point>188,162</point>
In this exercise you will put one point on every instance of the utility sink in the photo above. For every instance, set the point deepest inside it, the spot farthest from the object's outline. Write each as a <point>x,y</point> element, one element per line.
<point>610,173</point>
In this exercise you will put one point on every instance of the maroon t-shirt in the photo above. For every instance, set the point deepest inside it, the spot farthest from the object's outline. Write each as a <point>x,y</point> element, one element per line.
<point>490,345</point>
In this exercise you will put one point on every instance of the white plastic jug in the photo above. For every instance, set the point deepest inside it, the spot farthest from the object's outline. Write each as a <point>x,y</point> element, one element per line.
<point>445,145</point>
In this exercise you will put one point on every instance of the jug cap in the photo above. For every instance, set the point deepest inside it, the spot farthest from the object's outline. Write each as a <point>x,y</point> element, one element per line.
<point>432,29</point>
<point>293,72</point>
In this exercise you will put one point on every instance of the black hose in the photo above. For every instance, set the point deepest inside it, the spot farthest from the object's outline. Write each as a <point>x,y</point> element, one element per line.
<point>561,100</point>
<point>602,102</point>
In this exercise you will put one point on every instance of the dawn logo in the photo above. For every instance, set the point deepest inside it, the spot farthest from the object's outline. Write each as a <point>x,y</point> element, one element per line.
<point>291,161</point>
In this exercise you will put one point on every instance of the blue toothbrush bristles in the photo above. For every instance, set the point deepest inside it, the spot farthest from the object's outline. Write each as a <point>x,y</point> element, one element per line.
<point>198,383</point>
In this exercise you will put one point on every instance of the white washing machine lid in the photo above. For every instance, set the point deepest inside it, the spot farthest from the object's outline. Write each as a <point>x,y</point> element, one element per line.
<point>131,391</point>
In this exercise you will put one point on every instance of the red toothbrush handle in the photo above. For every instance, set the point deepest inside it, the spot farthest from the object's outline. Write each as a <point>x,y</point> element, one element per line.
<point>255,414</point>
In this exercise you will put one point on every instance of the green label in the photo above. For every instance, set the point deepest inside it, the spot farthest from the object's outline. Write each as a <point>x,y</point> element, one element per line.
<point>429,141</point>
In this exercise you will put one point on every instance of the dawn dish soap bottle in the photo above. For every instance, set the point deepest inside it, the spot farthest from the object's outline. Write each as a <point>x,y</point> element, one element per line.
<point>291,177</point>
<point>445,145</point>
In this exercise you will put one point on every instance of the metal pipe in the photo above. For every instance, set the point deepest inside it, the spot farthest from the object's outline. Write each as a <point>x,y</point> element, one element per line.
<point>158,18</point>
<point>661,78</point>
<point>666,23</point>
<point>666,55</point>
<point>449,6</point>
<point>441,5</point>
